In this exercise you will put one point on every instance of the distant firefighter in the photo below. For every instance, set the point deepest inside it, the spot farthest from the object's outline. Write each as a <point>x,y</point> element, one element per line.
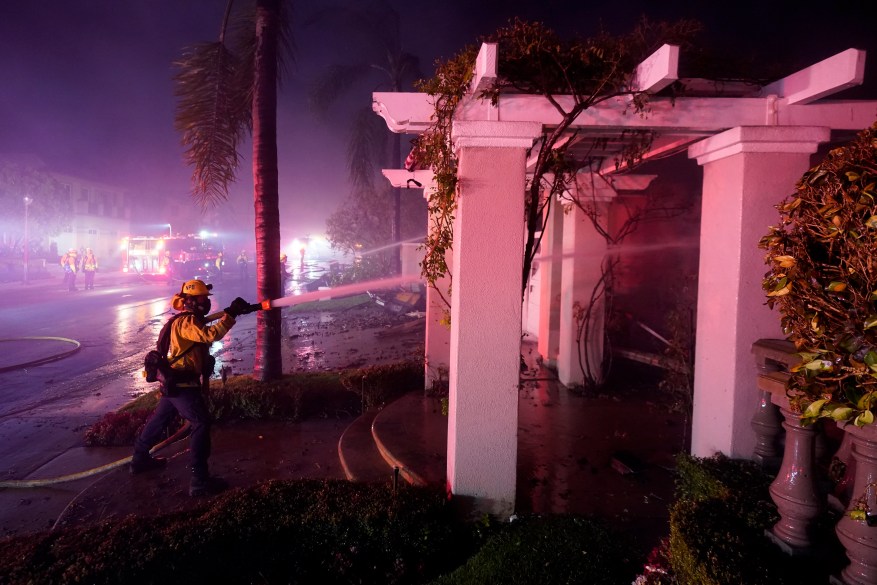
<point>220,262</point>
<point>243,263</point>
<point>89,267</point>
<point>70,265</point>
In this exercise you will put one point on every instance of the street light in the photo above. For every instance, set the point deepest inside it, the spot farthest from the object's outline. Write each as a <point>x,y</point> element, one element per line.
<point>27,202</point>
<point>170,231</point>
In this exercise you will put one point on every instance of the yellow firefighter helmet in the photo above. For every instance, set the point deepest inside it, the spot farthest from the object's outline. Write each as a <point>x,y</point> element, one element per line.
<point>196,288</point>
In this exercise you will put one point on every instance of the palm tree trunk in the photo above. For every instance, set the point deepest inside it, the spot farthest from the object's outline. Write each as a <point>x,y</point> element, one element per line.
<point>268,363</point>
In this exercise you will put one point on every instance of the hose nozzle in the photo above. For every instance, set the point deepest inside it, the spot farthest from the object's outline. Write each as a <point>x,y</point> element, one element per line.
<point>263,306</point>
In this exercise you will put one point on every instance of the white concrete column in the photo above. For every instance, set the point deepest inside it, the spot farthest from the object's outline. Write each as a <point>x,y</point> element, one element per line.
<point>548,335</point>
<point>746,171</point>
<point>486,313</point>
<point>583,252</point>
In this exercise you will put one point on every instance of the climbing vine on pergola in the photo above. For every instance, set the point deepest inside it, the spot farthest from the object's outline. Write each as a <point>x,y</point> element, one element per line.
<point>536,61</point>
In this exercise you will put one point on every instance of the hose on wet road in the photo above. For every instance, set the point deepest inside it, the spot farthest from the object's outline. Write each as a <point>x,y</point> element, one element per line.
<point>36,483</point>
<point>43,360</point>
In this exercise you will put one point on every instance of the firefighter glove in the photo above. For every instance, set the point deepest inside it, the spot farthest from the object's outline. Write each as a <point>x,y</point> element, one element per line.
<point>237,307</point>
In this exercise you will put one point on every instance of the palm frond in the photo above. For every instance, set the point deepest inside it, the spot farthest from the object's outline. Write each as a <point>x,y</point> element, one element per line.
<point>212,113</point>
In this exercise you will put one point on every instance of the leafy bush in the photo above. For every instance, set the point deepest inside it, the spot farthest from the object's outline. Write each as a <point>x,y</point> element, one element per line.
<point>380,384</point>
<point>722,478</point>
<point>547,549</point>
<point>824,281</point>
<point>294,397</point>
<point>718,525</point>
<point>276,532</point>
<point>116,429</point>
<point>711,545</point>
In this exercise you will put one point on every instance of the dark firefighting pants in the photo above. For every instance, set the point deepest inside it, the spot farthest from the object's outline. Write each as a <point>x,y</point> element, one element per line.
<point>190,405</point>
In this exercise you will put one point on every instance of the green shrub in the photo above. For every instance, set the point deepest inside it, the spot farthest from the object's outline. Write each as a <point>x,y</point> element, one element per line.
<point>294,397</point>
<point>547,549</point>
<point>719,477</point>
<point>380,384</point>
<point>117,429</point>
<point>276,532</point>
<point>718,525</point>
<point>711,544</point>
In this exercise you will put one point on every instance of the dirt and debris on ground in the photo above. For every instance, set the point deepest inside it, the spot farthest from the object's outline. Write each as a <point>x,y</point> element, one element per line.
<point>365,334</point>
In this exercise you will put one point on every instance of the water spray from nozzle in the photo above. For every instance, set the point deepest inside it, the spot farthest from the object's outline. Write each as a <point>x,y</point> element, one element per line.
<point>341,291</point>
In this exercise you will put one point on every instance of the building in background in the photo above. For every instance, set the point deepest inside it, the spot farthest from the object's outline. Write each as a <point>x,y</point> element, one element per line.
<point>101,217</point>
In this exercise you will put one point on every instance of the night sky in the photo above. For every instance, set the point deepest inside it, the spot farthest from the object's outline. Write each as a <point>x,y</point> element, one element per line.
<point>86,84</point>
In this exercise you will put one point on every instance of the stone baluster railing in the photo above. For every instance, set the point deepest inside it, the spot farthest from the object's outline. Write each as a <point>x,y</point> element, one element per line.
<point>773,357</point>
<point>859,538</point>
<point>795,491</point>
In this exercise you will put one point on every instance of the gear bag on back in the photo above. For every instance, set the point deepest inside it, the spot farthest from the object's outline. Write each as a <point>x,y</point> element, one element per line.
<point>157,368</point>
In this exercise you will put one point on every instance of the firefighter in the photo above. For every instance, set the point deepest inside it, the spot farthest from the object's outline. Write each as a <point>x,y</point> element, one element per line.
<point>284,275</point>
<point>190,337</point>
<point>70,265</point>
<point>89,267</point>
<point>243,262</point>
<point>220,261</point>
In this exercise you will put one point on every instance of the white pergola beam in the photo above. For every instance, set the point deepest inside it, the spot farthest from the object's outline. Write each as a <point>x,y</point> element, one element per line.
<point>840,115</point>
<point>679,116</point>
<point>691,115</point>
<point>485,68</point>
<point>404,112</point>
<point>844,70</point>
<point>401,178</point>
<point>658,70</point>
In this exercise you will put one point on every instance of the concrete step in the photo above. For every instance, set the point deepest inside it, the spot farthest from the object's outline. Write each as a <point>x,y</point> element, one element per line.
<point>360,458</point>
<point>412,434</point>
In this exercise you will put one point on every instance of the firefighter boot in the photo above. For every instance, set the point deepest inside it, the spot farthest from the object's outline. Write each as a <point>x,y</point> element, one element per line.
<point>208,485</point>
<point>147,463</point>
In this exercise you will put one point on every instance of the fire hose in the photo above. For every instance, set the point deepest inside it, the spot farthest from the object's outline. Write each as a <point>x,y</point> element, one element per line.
<point>43,360</point>
<point>35,483</point>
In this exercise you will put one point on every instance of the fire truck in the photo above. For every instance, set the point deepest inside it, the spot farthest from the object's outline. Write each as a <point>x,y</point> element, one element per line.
<point>180,257</point>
